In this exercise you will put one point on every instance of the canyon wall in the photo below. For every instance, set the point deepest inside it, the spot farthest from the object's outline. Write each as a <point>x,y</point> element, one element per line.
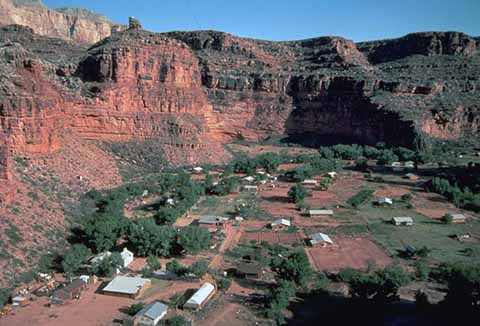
<point>74,24</point>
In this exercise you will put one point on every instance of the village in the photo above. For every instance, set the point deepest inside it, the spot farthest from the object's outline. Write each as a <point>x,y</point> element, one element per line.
<point>347,217</point>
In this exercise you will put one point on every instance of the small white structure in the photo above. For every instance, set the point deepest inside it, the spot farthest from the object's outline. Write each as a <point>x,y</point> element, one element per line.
<point>332,174</point>
<point>85,278</point>
<point>384,201</point>
<point>130,287</point>
<point>170,202</point>
<point>197,170</point>
<point>280,224</point>
<point>309,182</point>
<point>200,297</point>
<point>100,257</point>
<point>239,219</point>
<point>320,238</point>
<point>409,164</point>
<point>397,166</point>
<point>127,257</point>
<point>151,314</point>
<point>403,220</point>
<point>457,218</point>
<point>317,212</point>
<point>248,188</point>
<point>249,179</point>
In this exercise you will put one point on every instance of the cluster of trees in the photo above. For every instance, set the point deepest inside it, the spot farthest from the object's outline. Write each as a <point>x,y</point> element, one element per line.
<point>379,285</point>
<point>361,197</point>
<point>313,165</point>
<point>297,193</point>
<point>380,152</point>
<point>267,161</point>
<point>293,271</point>
<point>198,268</point>
<point>464,198</point>
<point>223,187</point>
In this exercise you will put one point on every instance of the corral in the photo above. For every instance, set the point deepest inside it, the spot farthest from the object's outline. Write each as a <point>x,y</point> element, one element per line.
<point>356,252</point>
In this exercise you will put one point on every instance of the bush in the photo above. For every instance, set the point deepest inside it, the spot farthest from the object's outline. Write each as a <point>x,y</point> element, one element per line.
<point>422,270</point>
<point>199,268</point>
<point>447,219</point>
<point>297,193</point>
<point>193,239</point>
<point>134,308</point>
<point>223,284</point>
<point>74,258</point>
<point>176,321</point>
<point>361,197</point>
<point>4,296</point>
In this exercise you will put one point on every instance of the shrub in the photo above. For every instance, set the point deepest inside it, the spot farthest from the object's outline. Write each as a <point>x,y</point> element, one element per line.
<point>361,197</point>
<point>134,308</point>
<point>297,193</point>
<point>447,219</point>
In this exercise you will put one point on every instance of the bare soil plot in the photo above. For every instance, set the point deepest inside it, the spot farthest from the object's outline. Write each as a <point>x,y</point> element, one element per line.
<point>347,186</point>
<point>392,192</point>
<point>319,199</point>
<point>433,205</point>
<point>272,237</point>
<point>275,201</point>
<point>355,252</point>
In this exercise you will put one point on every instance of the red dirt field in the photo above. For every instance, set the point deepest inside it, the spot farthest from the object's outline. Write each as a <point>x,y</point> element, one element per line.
<point>348,252</point>
<point>320,199</point>
<point>346,186</point>
<point>272,237</point>
<point>432,205</point>
<point>275,201</point>
<point>392,192</point>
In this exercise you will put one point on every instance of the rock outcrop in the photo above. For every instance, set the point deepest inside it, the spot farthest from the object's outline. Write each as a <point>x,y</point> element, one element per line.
<point>74,24</point>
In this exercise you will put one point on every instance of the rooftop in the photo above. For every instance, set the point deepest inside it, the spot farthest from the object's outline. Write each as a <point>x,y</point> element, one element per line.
<point>320,237</point>
<point>281,221</point>
<point>201,295</point>
<point>125,284</point>
<point>153,310</point>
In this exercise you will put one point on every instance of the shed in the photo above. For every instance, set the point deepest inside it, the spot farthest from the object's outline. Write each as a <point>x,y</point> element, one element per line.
<point>249,179</point>
<point>280,224</point>
<point>151,314</point>
<point>127,257</point>
<point>70,291</point>
<point>249,270</point>
<point>331,174</point>
<point>457,218</point>
<point>384,201</point>
<point>320,238</point>
<point>211,220</point>
<point>409,164</point>
<point>317,212</point>
<point>125,286</point>
<point>411,176</point>
<point>199,298</point>
<point>197,170</point>
<point>406,221</point>
<point>309,182</point>
<point>248,188</point>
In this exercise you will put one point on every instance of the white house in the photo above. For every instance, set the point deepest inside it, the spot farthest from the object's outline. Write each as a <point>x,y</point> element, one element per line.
<point>280,224</point>
<point>457,218</point>
<point>320,238</point>
<point>199,298</point>
<point>406,221</point>
<point>127,257</point>
<point>197,170</point>
<point>309,182</point>
<point>248,188</point>
<point>384,201</point>
<point>317,212</point>
<point>249,179</point>
<point>151,314</point>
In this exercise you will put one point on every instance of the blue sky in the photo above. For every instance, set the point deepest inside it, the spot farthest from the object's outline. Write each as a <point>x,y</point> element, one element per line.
<point>359,20</point>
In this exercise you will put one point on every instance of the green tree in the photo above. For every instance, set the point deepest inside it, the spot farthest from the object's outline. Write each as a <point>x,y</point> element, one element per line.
<point>176,321</point>
<point>193,239</point>
<point>447,219</point>
<point>134,308</point>
<point>4,296</point>
<point>297,193</point>
<point>103,232</point>
<point>46,263</point>
<point>278,299</point>
<point>74,258</point>
<point>153,263</point>
<point>463,281</point>
<point>223,284</point>
<point>386,157</point>
<point>176,268</point>
<point>295,267</point>
<point>149,238</point>
<point>107,266</point>
<point>422,270</point>
<point>199,268</point>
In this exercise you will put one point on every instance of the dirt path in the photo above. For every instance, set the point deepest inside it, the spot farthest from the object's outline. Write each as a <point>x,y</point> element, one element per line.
<point>233,235</point>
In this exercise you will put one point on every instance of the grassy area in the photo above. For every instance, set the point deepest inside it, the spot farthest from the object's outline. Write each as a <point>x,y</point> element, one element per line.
<point>425,232</point>
<point>157,286</point>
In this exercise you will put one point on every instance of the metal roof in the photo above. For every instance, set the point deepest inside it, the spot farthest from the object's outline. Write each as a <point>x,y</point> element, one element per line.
<point>125,284</point>
<point>281,221</point>
<point>320,237</point>
<point>457,216</point>
<point>199,297</point>
<point>209,219</point>
<point>403,219</point>
<point>153,310</point>
<point>320,212</point>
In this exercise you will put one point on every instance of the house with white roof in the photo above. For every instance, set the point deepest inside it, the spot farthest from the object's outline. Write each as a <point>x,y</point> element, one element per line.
<point>151,314</point>
<point>320,239</point>
<point>403,220</point>
<point>199,298</point>
<point>125,286</point>
<point>309,182</point>
<point>384,201</point>
<point>457,218</point>
<point>127,257</point>
<point>280,224</point>
<point>317,212</point>
<point>249,179</point>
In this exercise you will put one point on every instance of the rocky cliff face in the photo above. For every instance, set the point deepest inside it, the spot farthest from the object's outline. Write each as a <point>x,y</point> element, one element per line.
<point>194,91</point>
<point>74,24</point>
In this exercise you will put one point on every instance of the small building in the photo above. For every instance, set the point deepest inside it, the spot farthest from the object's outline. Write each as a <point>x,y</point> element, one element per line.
<point>199,298</point>
<point>280,224</point>
<point>411,176</point>
<point>405,221</point>
<point>100,257</point>
<point>127,257</point>
<point>151,314</point>
<point>317,212</point>
<point>197,170</point>
<point>310,183</point>
<point>384,201</point>
<point>19,301</point>
<point>249,179</point>
<point>457,218</point>
<point>332,174</point>
<point>211,220</point>
<point>70,291</point>
<point>409,164</point>
<point>249,270</point>
<point>320,239</point>
<point>396,167</point>
<point>124,286</point>
<point>248,188</point>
